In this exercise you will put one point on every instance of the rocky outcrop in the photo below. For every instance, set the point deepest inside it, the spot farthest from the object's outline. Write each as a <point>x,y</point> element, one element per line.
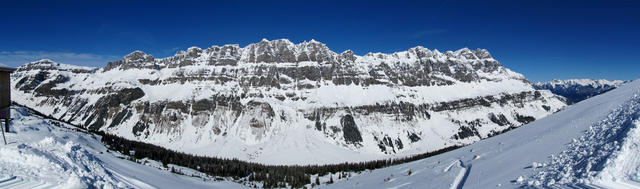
<point>350,130</point>
<point>134,60</point>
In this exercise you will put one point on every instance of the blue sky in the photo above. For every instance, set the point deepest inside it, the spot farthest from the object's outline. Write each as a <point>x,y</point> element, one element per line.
<point>541,39</point>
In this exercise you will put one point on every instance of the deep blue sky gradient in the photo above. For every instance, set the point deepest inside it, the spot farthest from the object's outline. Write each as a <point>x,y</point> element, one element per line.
<point>541,39</point>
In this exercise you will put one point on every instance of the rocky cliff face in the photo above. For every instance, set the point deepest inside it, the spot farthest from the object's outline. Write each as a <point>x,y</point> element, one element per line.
<point>576,90</point>
<point>278,102</point>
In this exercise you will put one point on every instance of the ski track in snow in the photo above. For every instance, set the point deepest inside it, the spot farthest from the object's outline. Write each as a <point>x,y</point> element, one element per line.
<point>459,181</point>
<point>16,182</point>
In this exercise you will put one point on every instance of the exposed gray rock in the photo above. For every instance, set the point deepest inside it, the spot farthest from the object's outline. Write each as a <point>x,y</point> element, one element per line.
<point>350,130</point>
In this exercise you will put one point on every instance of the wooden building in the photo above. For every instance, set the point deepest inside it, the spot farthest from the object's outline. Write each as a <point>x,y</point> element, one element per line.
<point>5,94</point>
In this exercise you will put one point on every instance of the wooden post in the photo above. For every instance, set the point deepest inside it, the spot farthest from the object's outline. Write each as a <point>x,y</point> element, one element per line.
<point>4,117</point>
<point>3,138</point>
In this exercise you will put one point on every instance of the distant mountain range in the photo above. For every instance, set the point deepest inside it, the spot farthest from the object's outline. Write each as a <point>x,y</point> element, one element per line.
<point>577,90</point>
<point>277,102</point>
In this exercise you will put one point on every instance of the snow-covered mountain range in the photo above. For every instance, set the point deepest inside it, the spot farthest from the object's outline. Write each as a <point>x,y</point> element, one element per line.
<point>591,144</point>
<point>577,90</point>
<point>277,102</point>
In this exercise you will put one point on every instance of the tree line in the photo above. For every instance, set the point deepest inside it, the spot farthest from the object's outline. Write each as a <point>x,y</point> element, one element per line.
<point>296,176</point>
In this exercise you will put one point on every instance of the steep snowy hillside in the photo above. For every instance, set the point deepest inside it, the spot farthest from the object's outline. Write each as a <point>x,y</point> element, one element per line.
<point>276,102</point>
<point>45,153</point>
<point>577,90</point>
<point>593,143</point>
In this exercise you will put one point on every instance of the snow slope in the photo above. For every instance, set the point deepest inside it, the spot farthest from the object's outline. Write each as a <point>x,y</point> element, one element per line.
<point>593,143</point>
<point>42,155</point>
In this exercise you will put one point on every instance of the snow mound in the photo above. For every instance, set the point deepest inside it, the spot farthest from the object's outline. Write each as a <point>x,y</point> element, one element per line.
<point>66,164</point>
<point>44,153</point>
<point>623,169</point>
<point>589,154</point>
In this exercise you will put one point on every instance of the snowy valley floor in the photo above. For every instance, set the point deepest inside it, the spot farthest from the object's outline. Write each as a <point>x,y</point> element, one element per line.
<point>42,155</point>
<point>593,144</point>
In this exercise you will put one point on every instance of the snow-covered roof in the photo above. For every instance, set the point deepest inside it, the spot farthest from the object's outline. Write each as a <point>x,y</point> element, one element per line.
<point>5,68</point>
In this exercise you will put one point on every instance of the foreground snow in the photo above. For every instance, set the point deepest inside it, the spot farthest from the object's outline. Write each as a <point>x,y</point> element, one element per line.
<point>594,143</point>
<point>42,155</point>
<point>623,169</point>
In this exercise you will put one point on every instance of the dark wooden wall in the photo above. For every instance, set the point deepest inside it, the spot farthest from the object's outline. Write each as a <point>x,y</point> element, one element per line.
<point>5,94</point>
